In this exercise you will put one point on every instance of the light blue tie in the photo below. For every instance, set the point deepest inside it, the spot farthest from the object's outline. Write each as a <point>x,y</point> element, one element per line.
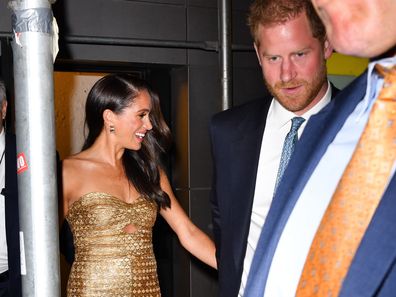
<point>288,148</point>
<point>255,287</point>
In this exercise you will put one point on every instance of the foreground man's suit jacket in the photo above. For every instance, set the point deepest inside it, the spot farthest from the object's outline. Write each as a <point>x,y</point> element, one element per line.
<point>373,269</point>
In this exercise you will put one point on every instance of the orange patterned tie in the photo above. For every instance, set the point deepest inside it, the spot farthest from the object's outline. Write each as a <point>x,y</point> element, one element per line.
<point>355,199</point>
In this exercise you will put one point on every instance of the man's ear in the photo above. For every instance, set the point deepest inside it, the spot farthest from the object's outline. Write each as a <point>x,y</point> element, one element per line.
<point>3,109</point>
<point>256,48</point>
<point>328,49</point>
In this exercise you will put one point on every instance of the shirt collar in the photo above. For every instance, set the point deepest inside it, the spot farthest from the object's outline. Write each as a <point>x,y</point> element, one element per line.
<point>374,81</point>
<point>282,116</point>
<point>2,141</point>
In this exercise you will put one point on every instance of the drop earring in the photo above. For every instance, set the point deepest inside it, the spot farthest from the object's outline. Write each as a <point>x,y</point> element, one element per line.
<point>111,129</point>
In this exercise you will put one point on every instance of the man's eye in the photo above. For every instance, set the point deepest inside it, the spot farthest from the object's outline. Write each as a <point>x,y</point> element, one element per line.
<point>272,59</point>
<point>300,54</point>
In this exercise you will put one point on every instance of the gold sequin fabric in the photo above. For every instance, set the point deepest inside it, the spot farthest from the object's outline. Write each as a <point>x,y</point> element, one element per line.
<point>110,262</point>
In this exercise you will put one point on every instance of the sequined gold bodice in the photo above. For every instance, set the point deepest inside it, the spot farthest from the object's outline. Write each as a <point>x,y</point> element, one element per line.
<point>110,262</point>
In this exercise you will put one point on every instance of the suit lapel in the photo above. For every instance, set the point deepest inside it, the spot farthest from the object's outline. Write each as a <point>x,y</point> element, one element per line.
<point>246,151</point>
<point>318,134</point>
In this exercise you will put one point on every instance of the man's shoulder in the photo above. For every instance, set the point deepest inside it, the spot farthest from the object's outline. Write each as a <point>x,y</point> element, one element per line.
<point>10,143</point>
<point>238,113</point>
<point>9,136</point>
<point>334,90</point>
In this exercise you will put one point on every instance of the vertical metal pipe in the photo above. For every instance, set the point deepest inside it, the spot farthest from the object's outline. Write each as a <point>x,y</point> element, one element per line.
<point>225,41</point>
<point>35,131</point>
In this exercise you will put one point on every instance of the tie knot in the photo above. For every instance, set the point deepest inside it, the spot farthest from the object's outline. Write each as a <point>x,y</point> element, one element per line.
<point>296,123</point>
<point>388,90</point>
<point>386,71</point>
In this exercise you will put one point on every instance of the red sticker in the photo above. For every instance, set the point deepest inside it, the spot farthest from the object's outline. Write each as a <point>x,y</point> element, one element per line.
<point>21,163</point>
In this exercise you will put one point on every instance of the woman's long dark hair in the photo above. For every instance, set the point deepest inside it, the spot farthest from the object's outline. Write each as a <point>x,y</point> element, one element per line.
<point>116,92</point>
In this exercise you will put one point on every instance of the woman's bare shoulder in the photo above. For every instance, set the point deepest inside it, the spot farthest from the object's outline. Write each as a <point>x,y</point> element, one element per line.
<point>77,161</point>
<point>78,173</point>
<point>76,168</point>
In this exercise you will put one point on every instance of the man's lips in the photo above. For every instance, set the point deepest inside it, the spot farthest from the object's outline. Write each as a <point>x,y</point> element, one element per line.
<point>291,89</point>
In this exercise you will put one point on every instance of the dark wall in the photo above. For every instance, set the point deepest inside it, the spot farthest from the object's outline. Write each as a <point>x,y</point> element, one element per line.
<point>194,88</point>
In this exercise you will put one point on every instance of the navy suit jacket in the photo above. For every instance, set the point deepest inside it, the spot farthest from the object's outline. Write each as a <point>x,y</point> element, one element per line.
<point>236,143</point>
<point>236,136</point>
<point>373,269</point>
<point>12,216</point>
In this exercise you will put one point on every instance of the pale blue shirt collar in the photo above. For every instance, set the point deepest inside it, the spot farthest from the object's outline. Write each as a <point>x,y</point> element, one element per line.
<point>374,83</point>
<point>282,116</point>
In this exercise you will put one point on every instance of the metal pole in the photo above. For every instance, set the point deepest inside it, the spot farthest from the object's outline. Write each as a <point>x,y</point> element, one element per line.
<point>36,159</point>
<point>225,52</point>
<point>119,41</point>
<point>203,45</point>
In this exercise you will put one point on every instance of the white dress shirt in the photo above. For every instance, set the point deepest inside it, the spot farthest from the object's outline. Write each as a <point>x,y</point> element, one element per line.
<point>3,239</point>
<point>296,238</point>
<point>277,126</point>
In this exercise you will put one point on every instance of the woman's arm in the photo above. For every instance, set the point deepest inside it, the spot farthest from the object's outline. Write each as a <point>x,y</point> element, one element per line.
<point>191,237</point>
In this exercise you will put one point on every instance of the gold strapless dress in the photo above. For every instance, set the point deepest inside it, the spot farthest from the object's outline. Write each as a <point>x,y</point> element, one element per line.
<point>108,261</point>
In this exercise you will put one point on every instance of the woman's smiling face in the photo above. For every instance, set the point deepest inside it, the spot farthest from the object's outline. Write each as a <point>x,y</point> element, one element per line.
<point>132,124</point>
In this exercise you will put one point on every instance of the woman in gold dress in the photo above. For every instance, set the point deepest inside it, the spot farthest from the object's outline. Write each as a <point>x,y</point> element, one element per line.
<point>113,190</point>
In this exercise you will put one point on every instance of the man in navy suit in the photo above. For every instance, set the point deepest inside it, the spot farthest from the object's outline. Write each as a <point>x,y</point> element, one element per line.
<point>10,272</point>
<point>247,141</point>
<point>363,28</point>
